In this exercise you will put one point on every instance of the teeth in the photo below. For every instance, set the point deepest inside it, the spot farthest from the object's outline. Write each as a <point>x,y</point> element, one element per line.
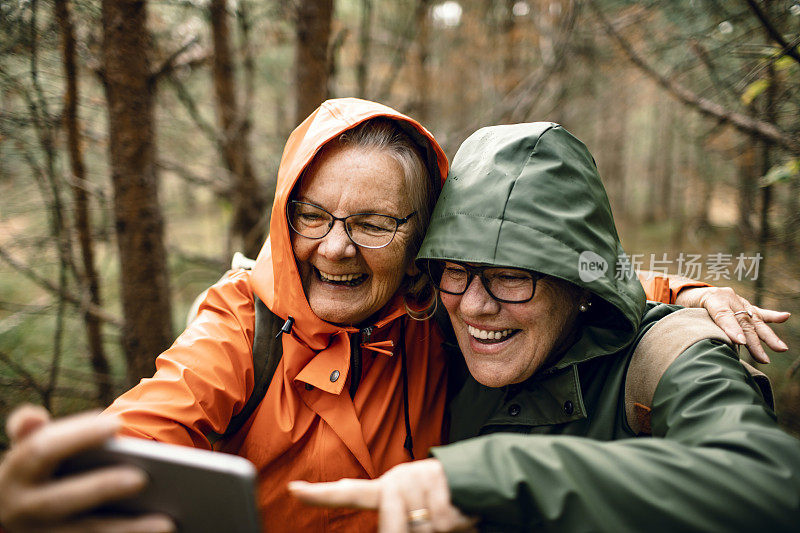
<point>342,277</point>
<point>488,335</point>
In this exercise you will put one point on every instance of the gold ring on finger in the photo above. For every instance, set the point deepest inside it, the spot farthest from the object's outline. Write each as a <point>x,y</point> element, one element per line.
<point>418,517</point>
<point>745,312</point>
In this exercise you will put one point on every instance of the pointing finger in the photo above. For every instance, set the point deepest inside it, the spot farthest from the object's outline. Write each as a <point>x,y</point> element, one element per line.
<point>356,493</point>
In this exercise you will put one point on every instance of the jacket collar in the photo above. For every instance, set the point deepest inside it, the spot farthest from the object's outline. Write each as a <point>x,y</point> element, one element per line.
<point>550,399</point>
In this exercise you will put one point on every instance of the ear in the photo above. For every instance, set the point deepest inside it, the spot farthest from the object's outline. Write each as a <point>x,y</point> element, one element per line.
<point>412,270</point>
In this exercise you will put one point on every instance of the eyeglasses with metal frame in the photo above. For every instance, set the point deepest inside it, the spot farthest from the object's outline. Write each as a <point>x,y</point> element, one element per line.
<point>367,230</point>
<point>504,284</point>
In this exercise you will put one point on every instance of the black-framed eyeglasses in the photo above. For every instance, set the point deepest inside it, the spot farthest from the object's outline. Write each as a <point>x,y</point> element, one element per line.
<point>504,284</point>
<point>368,230</point>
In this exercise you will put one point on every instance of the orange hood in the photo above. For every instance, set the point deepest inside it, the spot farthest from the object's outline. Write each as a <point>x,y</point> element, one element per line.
<point>276,279</point>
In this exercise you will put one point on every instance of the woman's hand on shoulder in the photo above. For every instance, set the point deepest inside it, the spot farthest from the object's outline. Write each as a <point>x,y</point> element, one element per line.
<point>411,497</point>
<point>31,500</point>
<point>743,322</point>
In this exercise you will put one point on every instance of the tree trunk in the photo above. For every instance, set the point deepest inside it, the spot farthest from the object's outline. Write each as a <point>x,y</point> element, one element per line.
<point>311,55</point>
<point>248,62</point>
<point>705,180</point>
<point>422,78</point>
<point>747,171</point>
<point>611,143</point>
<point>651,179</point>
<point>130,93</point>
<point>770,114</point>
<point>334,50</point>
<point>792,219</point>
<point>248,205</point>
<point>681,182</point>
<point>770,96</point>
<point>50,186</point>
<point>90,281</point>
<point>667,166</point>
<point>364,47</point>
<point>508,28</point>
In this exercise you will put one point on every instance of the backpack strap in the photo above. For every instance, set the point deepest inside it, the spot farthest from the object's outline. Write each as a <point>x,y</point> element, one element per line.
<point>267,353</point>
<point>658,348</point>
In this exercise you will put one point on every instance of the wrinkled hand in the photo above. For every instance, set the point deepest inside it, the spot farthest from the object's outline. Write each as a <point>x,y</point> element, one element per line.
<point>415,486</point>
<point>32,501</point>
<point>722,303</point>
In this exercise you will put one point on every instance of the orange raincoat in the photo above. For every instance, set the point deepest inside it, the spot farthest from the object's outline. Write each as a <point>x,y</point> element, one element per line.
<point>307,427</point>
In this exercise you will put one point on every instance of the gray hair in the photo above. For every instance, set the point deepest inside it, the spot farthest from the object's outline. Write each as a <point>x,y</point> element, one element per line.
<point>386,134</point>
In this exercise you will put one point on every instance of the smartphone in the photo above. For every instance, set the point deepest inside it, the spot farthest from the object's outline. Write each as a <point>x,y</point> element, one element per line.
<point>202,491</point>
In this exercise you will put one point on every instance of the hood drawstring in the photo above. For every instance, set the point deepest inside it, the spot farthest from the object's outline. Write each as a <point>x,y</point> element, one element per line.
<point>382,347</point>
<point>409,443</point>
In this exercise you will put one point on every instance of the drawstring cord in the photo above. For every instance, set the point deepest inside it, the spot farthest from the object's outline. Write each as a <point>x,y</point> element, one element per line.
<point>409,443</point>
<point>382,347</point>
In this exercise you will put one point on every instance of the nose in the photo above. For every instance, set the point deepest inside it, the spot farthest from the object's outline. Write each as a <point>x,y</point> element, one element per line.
<point>476,301</point>
<point>337,244</point>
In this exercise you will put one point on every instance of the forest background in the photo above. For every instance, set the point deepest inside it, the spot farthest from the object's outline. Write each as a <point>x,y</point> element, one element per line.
<point>139,144</point>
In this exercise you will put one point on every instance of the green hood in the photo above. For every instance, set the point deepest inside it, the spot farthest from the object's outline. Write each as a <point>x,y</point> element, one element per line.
<point>530,196</point>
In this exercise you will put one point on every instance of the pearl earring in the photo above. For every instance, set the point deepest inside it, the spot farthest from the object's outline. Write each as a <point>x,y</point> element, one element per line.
<point>584,307</point>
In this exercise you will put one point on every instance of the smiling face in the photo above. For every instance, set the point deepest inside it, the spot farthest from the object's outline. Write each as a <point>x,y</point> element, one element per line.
<point>506,343</point>
<point>344,283</point>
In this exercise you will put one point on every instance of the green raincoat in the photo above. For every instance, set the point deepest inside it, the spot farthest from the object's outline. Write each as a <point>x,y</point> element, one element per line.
<point>556,452</point>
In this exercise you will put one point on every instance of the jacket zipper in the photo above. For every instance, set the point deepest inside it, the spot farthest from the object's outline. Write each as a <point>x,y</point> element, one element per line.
<point>356,340</point>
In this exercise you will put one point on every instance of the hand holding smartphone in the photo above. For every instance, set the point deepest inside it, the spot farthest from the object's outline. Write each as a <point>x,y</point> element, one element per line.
<point>202,491</point>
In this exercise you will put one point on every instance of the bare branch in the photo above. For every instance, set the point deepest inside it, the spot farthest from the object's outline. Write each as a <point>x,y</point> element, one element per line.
<point>212,263</point>
<point>60,392</point>
<point>787,48</point>
<point>221,189</point>
<point>84,306</point>
<point>170,63</point>
<point>742,122</point>
<point>21,371</point>
<point>191,107</point>
<point>17,318</point>
<point>705,58</point>
<point>402,51</point>
<point>526,93</point>
<point>517,103</point>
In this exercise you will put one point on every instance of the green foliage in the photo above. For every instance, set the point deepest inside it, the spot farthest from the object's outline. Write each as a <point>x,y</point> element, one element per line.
<point>790,170</point>
<point>753,90</point>
<point>784,63</point>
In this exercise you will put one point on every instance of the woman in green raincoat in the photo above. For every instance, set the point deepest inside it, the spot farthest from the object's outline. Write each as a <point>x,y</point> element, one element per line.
<point>523,248</point>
